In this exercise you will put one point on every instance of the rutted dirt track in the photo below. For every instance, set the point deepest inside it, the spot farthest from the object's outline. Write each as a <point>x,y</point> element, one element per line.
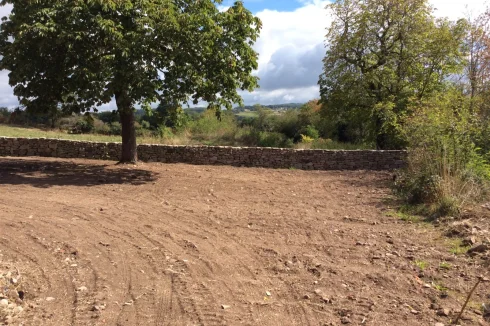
<point>177,244</point>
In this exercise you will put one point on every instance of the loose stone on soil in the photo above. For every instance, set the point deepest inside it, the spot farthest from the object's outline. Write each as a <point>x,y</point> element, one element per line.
<point>443,312</point>
<point>478,249</point>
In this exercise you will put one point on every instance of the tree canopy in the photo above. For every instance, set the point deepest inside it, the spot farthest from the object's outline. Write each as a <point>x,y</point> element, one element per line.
<point>381,54</point>
<point>80,54</point>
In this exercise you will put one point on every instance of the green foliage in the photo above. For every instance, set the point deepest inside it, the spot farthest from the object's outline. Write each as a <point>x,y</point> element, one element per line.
<point>100,127</point>
<point>108,116</point>
<point>208,123</point>
<point>95,49</point>
<point>407,217</point>
<point>145,124</point>
<point>439,287</point>
<point>445,168</point>
<point>456,247</point>
<point>445,266</point>
<point>115,128</point>
<point>77,55</point>
<point>272,139</point>
<point>165,132</point>
<point>306,139</point>
<point>84,125</point>
<point>292,123</point>
<point>381,54</point>
<point>172,116</point>
<point>266,120</point>
<point>4,115</point>
<point>422,265</point>
<point>288,124</point>
<point>310,131</point>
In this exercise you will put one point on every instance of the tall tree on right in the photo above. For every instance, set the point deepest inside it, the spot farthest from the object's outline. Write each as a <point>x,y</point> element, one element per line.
<point>475,80</point>
<point>382,54</point>
<point>477,72</point>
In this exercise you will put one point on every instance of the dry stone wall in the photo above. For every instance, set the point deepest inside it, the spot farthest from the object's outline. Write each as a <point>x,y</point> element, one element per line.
<point>210,155</point>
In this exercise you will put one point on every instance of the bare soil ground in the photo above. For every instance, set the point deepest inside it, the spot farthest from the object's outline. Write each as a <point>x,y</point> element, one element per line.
<point>91,243</point>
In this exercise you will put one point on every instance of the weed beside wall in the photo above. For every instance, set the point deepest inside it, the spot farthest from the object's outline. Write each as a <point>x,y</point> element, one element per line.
<point>446,170</point>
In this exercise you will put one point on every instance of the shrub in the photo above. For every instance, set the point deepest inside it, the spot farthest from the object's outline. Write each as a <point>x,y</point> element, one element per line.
<point>68,123</point>
<point>306,139</point>
<point>310,131</point>
<point>83,125</point>
<point>445,168</point>
<point>165,132</point>
<point>4,115</point>
<point>273,139</point>
<point>108,116</point>
<point>266,120</point>
<point>115,128</point>
<point>288,124</point>
<point>145,124</point>
<point>101,128</point>
<point>209,128</point>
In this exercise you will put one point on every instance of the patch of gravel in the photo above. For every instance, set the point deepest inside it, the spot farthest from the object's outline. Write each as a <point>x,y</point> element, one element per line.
<point>11,295</point>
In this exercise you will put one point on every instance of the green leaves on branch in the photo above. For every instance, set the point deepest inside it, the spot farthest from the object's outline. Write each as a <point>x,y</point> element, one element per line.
<point>381,55</point>
<point>78,54</point>
<point>446,170</point>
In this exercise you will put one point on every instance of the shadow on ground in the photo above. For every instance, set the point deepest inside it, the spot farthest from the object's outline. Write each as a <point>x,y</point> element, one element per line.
<point>44,174</point>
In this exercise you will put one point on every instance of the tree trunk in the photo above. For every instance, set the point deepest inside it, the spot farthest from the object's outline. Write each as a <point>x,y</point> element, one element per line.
<point>380,135</point>
<point>129,153</point>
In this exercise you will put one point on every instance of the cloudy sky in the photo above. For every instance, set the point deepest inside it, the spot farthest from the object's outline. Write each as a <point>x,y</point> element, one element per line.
<point>291,47</point>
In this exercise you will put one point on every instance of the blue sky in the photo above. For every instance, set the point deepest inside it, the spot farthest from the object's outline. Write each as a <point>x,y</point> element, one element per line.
<point>259,5</point>
<point>291,47</point>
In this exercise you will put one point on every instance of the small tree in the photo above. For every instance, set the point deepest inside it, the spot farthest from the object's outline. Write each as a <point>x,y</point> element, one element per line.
<point>381,54</point>
<point>81,54</point>
<point>171,116</point>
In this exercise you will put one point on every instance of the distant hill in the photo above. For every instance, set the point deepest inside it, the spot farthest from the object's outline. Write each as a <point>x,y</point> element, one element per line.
<point>285,106</point>
<point>253,107</point>
<point>200,109</point>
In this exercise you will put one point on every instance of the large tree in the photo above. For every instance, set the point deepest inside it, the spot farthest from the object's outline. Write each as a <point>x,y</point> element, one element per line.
<point>381,54</point>
<point>80,54</point>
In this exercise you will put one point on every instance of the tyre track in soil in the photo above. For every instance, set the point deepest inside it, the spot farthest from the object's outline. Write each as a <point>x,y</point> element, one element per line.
<point>237,250</point>
<point>174,248</point>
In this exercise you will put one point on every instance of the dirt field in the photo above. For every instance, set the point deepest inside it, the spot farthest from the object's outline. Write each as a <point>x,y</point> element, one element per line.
<point>154,244</point>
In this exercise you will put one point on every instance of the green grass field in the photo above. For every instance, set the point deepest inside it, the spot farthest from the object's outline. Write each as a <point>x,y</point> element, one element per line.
<point>28,132</point>
<point>182,139</point>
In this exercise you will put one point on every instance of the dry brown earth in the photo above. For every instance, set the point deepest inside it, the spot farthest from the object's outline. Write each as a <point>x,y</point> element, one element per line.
<point>174,244</point>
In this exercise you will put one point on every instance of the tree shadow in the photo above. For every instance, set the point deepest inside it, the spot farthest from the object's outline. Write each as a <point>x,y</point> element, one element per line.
<point>45,174</point>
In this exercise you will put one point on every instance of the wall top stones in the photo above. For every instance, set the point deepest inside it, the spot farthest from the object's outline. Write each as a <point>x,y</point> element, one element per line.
<point>308,159</point>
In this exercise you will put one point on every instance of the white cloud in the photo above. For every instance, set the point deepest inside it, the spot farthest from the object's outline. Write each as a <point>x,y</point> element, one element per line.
<point>304,27</point>
<point>7,98</point>
<point>282,95</point>
<point>290,42</point>
<point>290,51</point>
<point>455,9</point>
<point>292,67</point>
